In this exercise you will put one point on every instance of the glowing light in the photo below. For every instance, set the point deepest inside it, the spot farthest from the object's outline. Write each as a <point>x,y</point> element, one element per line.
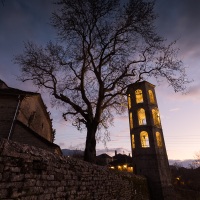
<point>159,139</point>
<point>141,117</point>
<point>156,117</point>
<point>129,101</point>
<point>151,97</point>
<point>133,141</point>
<point>139,96</point>
<point>144,138</point>
<point>131,120</point>
<point>120,167</point>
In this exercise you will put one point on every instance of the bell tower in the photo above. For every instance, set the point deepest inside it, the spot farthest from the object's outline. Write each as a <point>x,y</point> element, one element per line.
<point>147,141</point>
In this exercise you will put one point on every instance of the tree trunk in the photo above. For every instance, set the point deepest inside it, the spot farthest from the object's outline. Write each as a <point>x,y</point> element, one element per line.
<point>90,147</point>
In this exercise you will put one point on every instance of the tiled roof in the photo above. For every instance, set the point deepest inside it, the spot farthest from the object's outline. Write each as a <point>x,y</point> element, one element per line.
<point>13,91</point>
<point>3,84</point>
<point>104,155</point>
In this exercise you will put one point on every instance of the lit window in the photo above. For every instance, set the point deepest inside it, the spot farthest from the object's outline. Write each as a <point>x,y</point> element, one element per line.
<point>112,167</point>
<point>129,101</point>
<point>130,169</point>
<point>151,97</point>
<point>133,141</point>
<point>158,139</point>
<point>141,117</point>
<point>156,117</point>
<point>124,166</point>
<point>139,96</point>
<point>144,138</point>
<point>119,167</point>
<point>131,120</point>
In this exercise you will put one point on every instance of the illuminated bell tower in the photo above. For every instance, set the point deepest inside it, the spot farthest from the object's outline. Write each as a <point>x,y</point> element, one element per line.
<point>147,141</point>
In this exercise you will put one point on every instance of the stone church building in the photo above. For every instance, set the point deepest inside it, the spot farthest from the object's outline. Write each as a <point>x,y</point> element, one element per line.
<point>24,118</point>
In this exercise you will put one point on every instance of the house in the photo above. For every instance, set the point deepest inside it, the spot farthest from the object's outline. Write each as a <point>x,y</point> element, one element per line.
<point>119,161</point>
<point>122,162</point>
<point>24,118</point>
<point>103,159</point>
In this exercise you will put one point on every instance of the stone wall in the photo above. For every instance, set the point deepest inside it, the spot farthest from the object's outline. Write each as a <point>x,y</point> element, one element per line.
<point>30,173</point>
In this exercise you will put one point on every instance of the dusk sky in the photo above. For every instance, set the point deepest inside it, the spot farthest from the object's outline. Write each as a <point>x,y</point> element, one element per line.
<point>23,20</point>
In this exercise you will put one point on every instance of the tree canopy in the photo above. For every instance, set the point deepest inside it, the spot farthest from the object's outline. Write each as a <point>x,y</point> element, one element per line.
<point>103,46</point>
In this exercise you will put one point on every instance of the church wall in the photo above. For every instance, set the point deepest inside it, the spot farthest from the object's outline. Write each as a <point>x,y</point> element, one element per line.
<point>8,105</point>
<point>25,136</point>
<point>33,115</point>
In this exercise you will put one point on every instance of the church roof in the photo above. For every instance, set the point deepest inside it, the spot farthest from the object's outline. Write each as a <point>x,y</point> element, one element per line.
<point>3,84</point>
<point>14,91</point>
<point>4,89</point>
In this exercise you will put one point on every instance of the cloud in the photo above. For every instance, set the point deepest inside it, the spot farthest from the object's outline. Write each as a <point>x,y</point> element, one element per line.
<point>174,109</point>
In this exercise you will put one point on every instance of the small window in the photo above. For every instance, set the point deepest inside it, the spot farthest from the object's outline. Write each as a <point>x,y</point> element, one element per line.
<point>133,141</point>
<point>156,117</point>
<point>129,101</point>
<point>131,120</point>
<point>144,138</point>
<point>151,97</point>
<point>141,117</point>
<point>139,96</point>
<point>158,139</point>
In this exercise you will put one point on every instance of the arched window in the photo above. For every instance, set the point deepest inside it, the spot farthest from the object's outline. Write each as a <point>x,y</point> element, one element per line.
<point>144,138</point>
<point>131,120</point>
<point>141,117</point>
<point>133,141</point>
<point>129,101</point>
<point>151,97</point>
<point>156,117</point>
<point>158,139</point>
<point>139,96</point>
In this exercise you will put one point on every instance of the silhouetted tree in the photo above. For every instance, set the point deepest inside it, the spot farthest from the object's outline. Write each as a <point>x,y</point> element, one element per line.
<point>104,46</point>
<point>3,1</point>
<point>196,163</point>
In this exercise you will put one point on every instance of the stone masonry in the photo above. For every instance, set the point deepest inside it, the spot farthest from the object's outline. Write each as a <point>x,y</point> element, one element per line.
<point>30,173</point>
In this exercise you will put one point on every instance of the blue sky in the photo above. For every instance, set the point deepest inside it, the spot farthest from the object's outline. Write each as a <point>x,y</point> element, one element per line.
<point>23,20</point>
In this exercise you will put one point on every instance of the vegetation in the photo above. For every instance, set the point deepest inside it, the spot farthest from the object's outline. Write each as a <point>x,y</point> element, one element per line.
<point>196,162</point>
<point>103,46</point>
<point>186,182</point>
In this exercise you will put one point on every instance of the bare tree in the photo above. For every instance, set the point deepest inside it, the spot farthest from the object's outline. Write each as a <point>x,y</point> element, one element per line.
<point>103,46</point>
<point>3,1</point>
<point>196,163</point>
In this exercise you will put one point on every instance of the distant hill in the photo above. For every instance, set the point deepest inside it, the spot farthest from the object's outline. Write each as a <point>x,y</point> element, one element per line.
<point>183,163</point>
<point>69,152</point>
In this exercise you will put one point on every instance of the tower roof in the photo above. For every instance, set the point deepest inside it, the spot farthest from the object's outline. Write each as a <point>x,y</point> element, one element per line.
<point>138,84</point>
<point>141,83</point>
